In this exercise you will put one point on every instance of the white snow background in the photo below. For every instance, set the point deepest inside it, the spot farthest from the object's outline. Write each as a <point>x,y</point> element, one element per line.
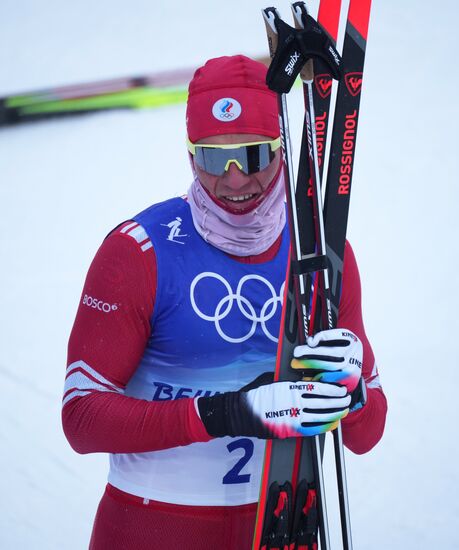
<point>65,183</point>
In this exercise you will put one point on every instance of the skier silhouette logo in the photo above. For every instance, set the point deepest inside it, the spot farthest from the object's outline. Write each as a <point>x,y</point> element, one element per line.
<point>174,232</point>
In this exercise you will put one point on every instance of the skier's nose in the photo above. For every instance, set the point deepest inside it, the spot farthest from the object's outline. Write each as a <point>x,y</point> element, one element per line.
<point>235,177</point>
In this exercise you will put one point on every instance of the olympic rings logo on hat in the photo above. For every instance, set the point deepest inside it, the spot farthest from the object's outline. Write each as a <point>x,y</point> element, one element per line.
<point>226,109</point>
<point>246,308</point>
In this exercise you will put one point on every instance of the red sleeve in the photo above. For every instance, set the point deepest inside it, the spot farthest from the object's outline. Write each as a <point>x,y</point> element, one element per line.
<point>363,428</point>
<point>111,329</point>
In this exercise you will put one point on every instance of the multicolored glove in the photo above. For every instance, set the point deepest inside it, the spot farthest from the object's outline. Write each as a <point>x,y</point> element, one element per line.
<point>333,356</point>
<point>275,410</point>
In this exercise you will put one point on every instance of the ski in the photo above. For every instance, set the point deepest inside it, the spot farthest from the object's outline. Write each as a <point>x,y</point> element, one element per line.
<point>286,462</point>
<point>344,134</point>
<point>153,90</point>
<point>312,236</point>
<point>135,92</point>
<point>337,199</point>
<point>288,459</point>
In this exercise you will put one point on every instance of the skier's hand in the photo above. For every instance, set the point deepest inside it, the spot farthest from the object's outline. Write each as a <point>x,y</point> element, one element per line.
<point>275,410</point>
<point>332,356</point>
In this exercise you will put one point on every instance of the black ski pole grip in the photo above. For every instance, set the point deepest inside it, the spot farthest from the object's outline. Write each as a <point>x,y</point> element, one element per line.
<point>316,42</point>
<point>299,11</point>
<point>286,58</point>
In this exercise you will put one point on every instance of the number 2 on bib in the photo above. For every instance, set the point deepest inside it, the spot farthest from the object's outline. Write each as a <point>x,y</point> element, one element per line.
<point>234,475</point>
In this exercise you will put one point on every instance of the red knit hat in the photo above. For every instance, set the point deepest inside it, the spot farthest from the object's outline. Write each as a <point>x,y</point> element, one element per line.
<point>228,95</point>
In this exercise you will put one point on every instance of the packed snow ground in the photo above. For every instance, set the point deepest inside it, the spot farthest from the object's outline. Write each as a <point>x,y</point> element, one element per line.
<point>65,184</point>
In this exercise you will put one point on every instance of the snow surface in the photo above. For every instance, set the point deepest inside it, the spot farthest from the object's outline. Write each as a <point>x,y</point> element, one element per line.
<point>65,184</point>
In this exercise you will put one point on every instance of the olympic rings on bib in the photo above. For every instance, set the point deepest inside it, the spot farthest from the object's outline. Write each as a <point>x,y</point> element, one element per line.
<point>246,308</point>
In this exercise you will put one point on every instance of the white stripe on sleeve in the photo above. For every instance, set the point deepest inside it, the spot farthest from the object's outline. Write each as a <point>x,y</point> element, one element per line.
<point>373,381</point>
<point>82,379</point>
<point>129,226</point>
<point>139,234</point>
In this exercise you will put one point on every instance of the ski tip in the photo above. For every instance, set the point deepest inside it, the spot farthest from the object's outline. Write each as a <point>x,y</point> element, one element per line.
<point>359,16</point>
<point>329,13</point>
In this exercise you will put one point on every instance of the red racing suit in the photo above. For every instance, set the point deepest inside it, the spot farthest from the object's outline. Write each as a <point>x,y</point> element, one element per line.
<point>110,333</point>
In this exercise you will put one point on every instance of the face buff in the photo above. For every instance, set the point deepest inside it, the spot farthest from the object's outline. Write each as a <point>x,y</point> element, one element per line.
<point>246,234</point>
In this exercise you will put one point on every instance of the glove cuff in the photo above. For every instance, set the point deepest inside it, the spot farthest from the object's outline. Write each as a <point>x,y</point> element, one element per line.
<point>358,396</point>
<point>212,411</point>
